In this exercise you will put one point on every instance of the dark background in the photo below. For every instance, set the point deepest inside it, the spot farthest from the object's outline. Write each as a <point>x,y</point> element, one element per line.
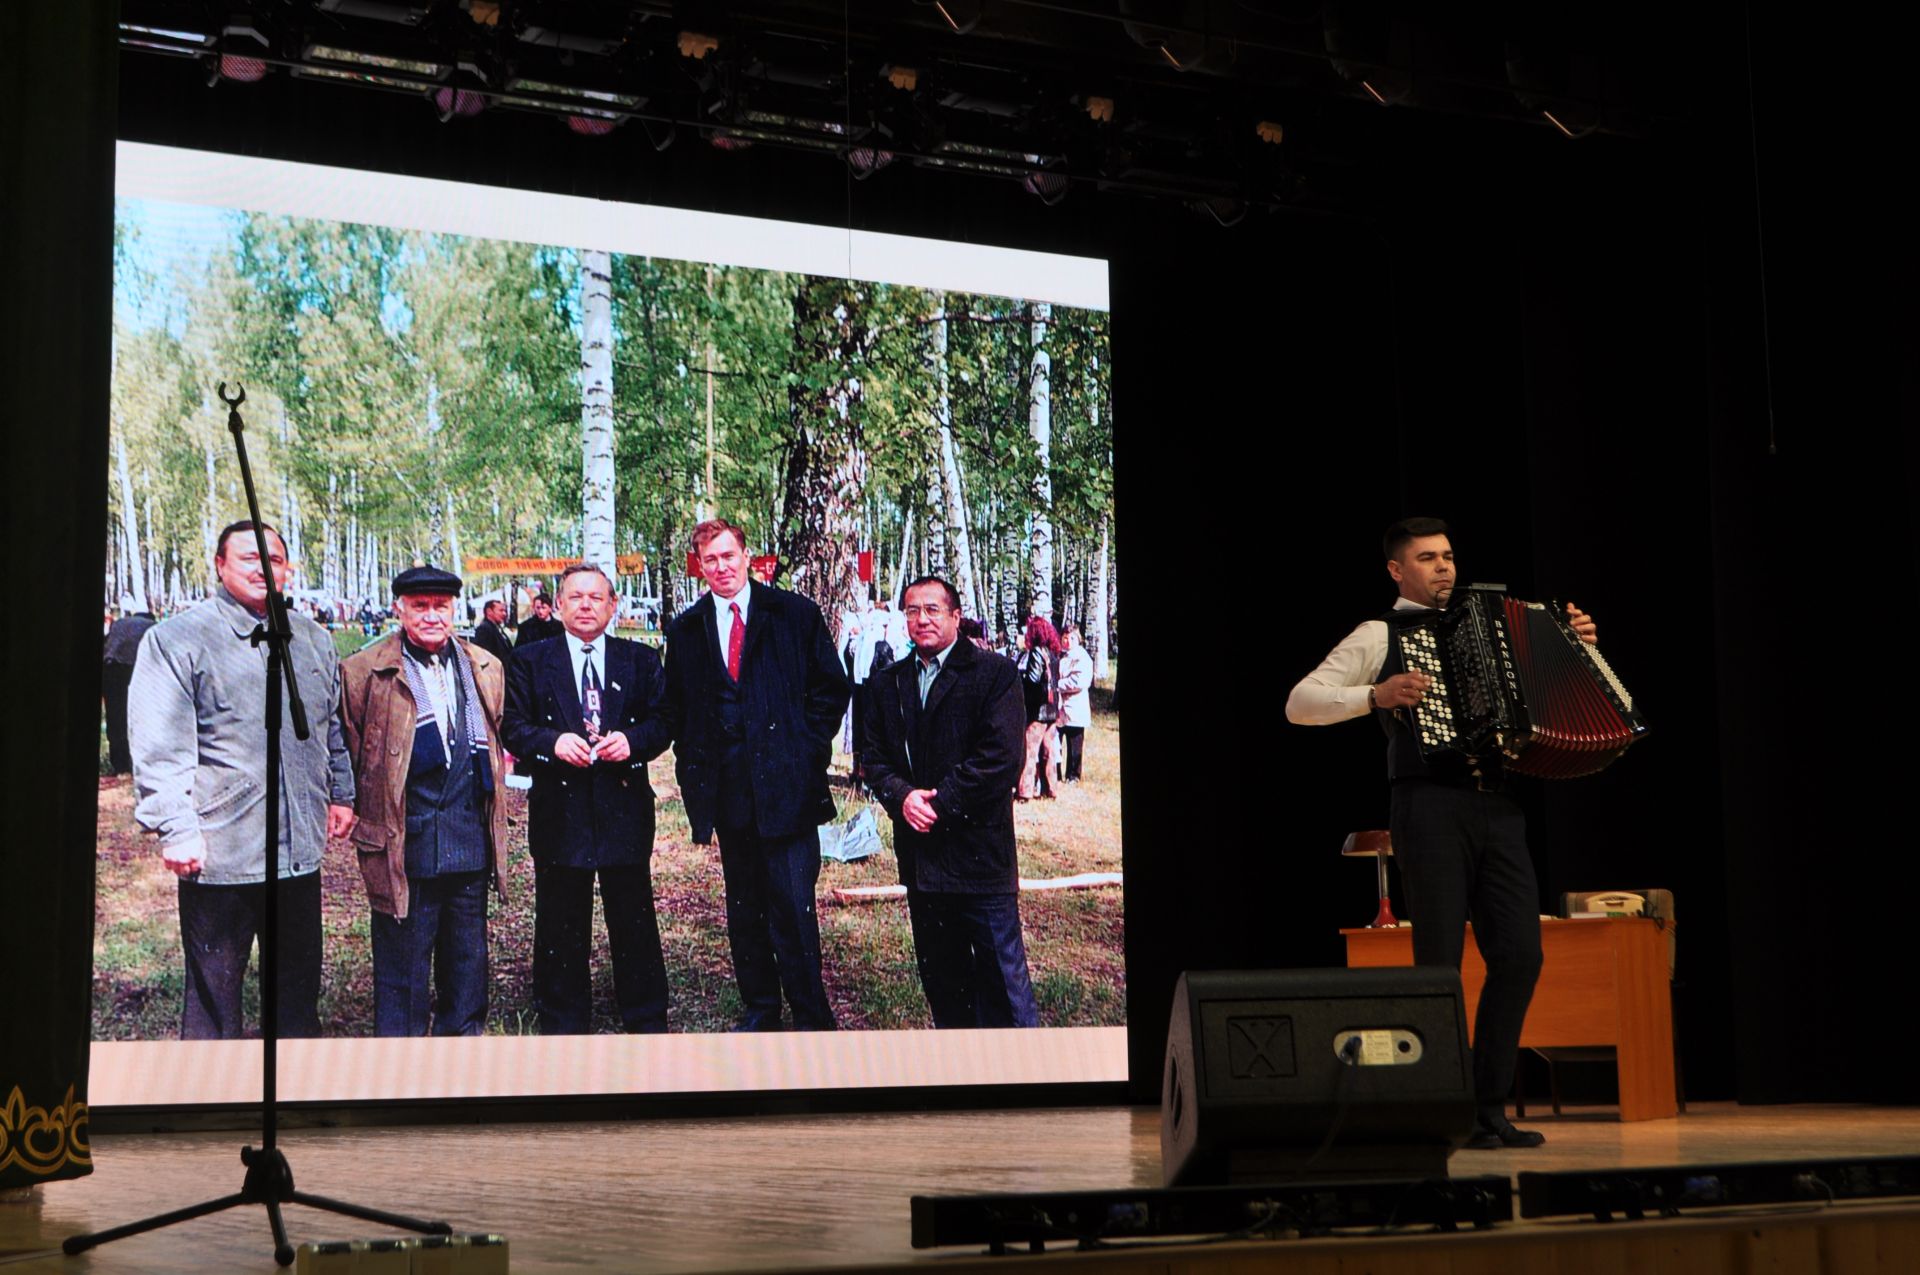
<point>1557,345</point>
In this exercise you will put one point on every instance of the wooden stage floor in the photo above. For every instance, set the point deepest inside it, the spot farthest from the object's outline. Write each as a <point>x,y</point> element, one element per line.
<point>830,1192</point>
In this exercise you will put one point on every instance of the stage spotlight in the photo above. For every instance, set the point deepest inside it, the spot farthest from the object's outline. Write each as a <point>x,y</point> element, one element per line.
<point>464,95</point>
<point>960,15</point>
<point>1166,27</point>
<point>728,142</point>
<point>243,50</point>
<point>1369,46</point>
<point>589,122</point>
<point>1051,187</point>
<point>1565,129</point>
<point>451,101</point>
<point>241,69</point>
<point>1225,210</point>
<point>865,161</point>
<point>660,133</point>
<point>1561,83</point>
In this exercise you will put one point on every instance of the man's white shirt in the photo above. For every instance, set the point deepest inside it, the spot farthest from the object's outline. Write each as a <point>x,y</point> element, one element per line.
<point>1336,691</point>
<point>723,612</point>
<point>575,650</point>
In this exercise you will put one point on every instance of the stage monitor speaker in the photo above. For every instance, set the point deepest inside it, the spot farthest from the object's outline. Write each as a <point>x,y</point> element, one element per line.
<point>1323,1074</point>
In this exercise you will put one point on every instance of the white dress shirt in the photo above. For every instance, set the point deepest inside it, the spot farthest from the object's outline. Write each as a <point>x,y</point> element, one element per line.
<point>1336,691</point>
<point>579,656</point>
<point>723,612</point>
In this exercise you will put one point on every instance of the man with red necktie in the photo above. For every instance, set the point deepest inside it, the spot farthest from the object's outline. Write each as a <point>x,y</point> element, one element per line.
<point>756,692</point>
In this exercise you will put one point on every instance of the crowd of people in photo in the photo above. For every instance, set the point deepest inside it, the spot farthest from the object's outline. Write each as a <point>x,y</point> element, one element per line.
<point>416,734</point>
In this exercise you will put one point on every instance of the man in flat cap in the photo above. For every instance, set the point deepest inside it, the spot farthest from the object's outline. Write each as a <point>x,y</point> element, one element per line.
<point>421,709</point>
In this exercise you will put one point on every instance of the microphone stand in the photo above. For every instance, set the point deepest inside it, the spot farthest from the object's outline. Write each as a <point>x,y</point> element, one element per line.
<point>269,1179</point>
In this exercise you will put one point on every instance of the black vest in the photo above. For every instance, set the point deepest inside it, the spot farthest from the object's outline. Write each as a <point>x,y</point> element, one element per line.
<point>1403,750</point>
<point>446,807</point>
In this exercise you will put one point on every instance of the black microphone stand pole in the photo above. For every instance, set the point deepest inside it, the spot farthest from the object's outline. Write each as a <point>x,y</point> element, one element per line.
<point>269,1180</point>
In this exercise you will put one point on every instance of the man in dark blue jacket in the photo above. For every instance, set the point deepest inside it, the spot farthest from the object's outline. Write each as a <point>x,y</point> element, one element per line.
<point>585,713</point>
<point>757,694</point>
<point>945,742</point>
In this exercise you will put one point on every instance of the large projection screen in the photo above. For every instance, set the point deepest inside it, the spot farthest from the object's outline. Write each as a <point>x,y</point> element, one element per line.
<point>416,357</point>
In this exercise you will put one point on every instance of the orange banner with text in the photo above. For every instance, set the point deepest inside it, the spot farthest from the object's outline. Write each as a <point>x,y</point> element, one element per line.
<point>627,564</point>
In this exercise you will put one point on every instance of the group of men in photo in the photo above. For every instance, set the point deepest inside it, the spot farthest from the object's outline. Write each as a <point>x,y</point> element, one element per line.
<point>407,764</point>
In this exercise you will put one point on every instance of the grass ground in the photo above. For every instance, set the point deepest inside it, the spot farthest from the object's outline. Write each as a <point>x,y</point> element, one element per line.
<point>1073,937</point>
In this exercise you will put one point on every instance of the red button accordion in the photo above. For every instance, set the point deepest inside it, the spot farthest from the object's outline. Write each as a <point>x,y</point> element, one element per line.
<point>1513,678</point>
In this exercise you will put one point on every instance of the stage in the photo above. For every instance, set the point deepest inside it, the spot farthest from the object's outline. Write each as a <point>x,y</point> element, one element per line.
<point>831,1192</point>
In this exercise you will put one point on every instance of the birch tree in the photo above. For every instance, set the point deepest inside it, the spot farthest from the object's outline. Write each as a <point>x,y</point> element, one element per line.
<point>1040,427</point>
<point>129,528</point>
<point>950,511</point>
<point>1102,666</point>
<point>596,408</point>
<point>825,467</point>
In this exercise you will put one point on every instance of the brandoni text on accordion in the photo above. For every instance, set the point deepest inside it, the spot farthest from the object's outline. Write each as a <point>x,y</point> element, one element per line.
<point>1512,678</point>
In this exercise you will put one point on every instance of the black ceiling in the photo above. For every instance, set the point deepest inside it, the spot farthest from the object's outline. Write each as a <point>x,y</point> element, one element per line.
<point>1227,104</point>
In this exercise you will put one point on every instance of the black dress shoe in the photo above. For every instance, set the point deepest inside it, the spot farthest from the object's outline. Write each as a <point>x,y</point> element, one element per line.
<point>1494,1133</point>
<point>757,1023</point>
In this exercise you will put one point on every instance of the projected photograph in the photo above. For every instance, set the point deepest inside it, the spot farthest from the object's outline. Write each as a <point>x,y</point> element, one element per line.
<point>499,385</point>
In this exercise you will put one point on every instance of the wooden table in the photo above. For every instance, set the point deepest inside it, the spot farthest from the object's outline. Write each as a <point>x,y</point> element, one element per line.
<point>1604,982</point>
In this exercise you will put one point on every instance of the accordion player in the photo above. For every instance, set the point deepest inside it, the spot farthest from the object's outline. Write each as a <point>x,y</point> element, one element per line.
<point>1513,678</point>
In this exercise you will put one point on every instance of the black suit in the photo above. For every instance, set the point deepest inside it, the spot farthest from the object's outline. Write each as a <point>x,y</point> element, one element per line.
<point>752,761</point>
<point>489,637</point>
<point>968,744</point>
<point>583,822</point>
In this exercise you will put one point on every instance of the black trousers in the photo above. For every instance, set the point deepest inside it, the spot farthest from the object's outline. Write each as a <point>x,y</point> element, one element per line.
<point>114,680</point>
<point>1075,738</point>
<point>218,925</point>
<point>430,967</point>
<point>774,927</point>
<point>972,958</point>
<point>1463,857</point>
<point>563,941</point>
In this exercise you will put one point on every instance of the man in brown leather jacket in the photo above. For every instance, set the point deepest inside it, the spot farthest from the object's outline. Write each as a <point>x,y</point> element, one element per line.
<point>421,710</point>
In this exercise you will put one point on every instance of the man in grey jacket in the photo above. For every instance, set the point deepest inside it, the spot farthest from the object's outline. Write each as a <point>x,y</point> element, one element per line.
<point>196,714</point>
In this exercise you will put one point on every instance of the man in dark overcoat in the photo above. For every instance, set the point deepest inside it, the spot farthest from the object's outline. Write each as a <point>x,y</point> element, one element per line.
<point>945,741</point>
<point>757,694</point>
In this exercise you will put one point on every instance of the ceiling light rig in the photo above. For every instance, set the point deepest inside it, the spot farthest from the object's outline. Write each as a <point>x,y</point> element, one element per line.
<point>464,95</point>
<point>1041,95</point>
<point>244,53</point>
<point>1049,185</point>
<point>865,161</point>
<point>1561,86</point>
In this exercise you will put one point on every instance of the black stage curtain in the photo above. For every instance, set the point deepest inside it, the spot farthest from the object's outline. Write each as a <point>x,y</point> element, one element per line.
<point>58,89</point>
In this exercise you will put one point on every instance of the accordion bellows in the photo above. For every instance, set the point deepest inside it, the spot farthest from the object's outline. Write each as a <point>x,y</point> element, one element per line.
<point>1513,678</point>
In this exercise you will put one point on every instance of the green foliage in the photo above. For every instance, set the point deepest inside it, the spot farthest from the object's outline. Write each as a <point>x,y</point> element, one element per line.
<point>396,377</point>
